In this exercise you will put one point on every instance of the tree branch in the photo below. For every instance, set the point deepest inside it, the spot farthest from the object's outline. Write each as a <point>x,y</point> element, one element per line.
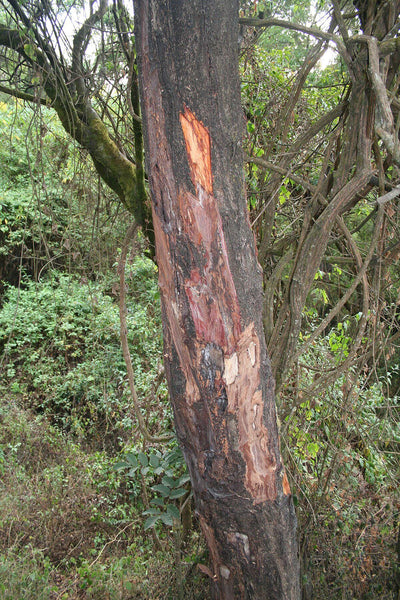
<point>313,31</point>
<point>266,164</point>
<point>360,275</point>
<point>82,122</point>
<point>307,260</point>
<point>81,38</point>
<point>24,96</point>
<point>124,340</point>
<point>384,118</point>
<point>272,22</point>
<point>340,20</point>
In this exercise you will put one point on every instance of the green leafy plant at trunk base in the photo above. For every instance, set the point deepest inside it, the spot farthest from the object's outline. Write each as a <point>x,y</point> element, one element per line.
<point>169,471</point>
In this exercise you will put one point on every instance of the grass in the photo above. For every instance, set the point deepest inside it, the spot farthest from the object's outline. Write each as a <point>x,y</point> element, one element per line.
<point>68,530</point>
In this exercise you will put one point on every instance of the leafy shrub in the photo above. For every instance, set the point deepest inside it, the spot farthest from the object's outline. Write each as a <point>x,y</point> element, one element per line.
<point>66,529</point>
<point>54,214</point>
<point>50,489</point>
<point>165,475</point>
<point>343,456</point>
<point>26,575</point>
<point>60,341</point>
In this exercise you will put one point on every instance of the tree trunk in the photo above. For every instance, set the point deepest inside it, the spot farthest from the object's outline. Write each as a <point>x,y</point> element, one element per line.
<point>220,381</point>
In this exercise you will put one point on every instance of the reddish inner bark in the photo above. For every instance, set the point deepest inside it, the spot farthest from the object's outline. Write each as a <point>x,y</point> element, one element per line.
<point>216,315</point>
<point>198,148</point>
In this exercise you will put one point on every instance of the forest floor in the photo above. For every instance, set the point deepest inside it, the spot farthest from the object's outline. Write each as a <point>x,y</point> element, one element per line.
<point>68,529</point>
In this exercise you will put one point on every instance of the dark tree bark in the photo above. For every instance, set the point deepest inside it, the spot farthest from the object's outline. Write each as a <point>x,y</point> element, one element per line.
<point>219,375</point>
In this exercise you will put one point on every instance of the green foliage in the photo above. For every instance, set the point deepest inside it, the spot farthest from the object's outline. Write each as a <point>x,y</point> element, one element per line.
<point>47,487</point>
<point>60,342</point>
<point>61,359</point>
<point>54,214</point>
<point>26,575</point>
<point>14,127</point>
<point>66,527</point>
<point>166,475</point>
<point>343,456</point>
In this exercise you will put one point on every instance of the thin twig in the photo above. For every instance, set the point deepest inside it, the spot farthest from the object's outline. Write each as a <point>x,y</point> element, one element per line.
<point>124,340</point>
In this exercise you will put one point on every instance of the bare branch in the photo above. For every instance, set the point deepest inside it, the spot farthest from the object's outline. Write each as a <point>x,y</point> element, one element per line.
<point>315,128</point>
<point>124,340</point>
<point>268,304</point>
<point>313,31</point>
<point>384,117</point>
<point>389,46</point>
<point>24,96</point>
<point>271,22</point>
<point>340,20</point>
<point>360,275</point>
<point>267,164</point>
<point>80,42</point>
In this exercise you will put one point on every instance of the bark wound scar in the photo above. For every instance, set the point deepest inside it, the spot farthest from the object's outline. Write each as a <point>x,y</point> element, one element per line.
<point>225,572</point>
<point>198,147</point>
<point>235,537</point>
<point>231,369</point>
<point>252,353</point>
<point>210,290</point>
<point>242,378</point>
<point>215,311</point>
<point>285,485</point>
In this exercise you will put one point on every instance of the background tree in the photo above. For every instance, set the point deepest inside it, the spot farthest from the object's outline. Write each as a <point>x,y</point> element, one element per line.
<point>40,64</point>
<point>323,189</point>
<point>350,158</point>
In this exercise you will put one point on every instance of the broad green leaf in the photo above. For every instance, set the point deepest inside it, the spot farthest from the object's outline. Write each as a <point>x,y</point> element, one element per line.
<point>162,489</point>
<point>182,480</point>
<point>157,502</point>
<point>154,461</point>
<point>173,511</point>
<point>167,519</point>
<point>120,465</point>
<point>151,511</point>
<point>313,448</point>
<point>168,481</point>
<point>30,51</point>
<point>151,521</point>
<point>177,493</point>
<point>144,461</point>
<point>132,460</point>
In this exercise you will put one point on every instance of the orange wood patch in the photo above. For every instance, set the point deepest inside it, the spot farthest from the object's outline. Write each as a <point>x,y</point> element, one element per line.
<point>285,485</point>
<point>245,400</point>
<point>198,147</point>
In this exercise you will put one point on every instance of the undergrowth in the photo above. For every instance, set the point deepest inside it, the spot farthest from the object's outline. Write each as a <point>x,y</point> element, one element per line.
<point>68,527</point>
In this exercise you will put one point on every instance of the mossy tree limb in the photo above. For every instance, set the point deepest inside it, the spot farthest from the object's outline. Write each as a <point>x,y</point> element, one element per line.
<point>65,89</point>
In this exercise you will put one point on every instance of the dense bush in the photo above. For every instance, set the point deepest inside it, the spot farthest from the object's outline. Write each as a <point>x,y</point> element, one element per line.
<point>68,529</point>
<point>79,485</point>
<point>54,212</point>
<point>61,350</point>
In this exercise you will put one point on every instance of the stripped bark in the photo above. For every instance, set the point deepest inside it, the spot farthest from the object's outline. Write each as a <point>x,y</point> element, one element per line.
<point>219,376</point>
